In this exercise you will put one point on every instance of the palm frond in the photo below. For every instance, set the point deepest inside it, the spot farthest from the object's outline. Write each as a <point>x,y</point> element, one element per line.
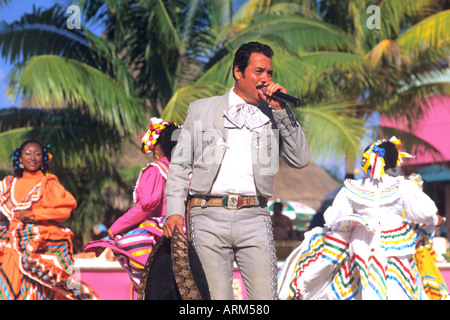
<point>221,71</point>
<point>324,61</point>
<point>177,107</point>
<point>293,72</point>
<point>55,81</point>
<point>432,32</point>
<point>108,61</point>
<point>328,63</point>
<point>395,15</point>
<point>388,51</point>
<point>300,32</point>
<point>161,20</point>
<point>290,8</point>
<point>332,129</point>
<point>190,19</point>
<point>41,32</point>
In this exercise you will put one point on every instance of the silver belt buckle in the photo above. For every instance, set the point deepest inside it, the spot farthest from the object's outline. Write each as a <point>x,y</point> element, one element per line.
<point>232,201</point>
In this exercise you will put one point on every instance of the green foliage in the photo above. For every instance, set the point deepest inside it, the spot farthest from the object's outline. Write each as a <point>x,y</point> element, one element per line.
<point>72,83</point>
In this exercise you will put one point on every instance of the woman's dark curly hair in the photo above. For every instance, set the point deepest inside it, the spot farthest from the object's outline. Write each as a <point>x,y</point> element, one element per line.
<point>390,155</point>
<point>168,140</point>
<point>17,153</point>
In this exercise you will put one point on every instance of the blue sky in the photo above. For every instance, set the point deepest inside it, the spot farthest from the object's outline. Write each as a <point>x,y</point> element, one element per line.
<point>13,11</point>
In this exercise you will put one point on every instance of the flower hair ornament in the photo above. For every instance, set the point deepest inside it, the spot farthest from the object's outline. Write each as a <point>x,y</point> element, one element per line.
<point>150,138</point>
<point>373,158</point>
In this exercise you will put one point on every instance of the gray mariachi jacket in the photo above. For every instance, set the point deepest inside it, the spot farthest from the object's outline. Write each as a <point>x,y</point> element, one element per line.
<point>202,145</point>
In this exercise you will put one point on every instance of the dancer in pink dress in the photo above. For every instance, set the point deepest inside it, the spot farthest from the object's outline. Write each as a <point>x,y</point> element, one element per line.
<point>133,235</point>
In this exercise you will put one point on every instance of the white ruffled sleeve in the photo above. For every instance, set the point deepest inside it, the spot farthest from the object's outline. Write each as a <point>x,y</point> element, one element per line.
<point>341,207</point>
<point>418,205</point>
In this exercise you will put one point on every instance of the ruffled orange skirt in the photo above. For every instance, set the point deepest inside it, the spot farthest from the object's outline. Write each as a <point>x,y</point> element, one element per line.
<point>36,263</point>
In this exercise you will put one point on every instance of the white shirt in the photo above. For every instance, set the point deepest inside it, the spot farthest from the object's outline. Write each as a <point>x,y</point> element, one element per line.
<point>236,172</point>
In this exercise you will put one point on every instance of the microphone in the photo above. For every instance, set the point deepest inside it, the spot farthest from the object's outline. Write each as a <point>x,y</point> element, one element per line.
<point>284,97</point>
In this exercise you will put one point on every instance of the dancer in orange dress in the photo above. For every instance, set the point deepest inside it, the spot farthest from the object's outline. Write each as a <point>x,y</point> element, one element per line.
<point>36,252</point>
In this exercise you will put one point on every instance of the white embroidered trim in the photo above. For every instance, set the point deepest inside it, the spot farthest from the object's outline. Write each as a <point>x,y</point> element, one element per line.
<point>372,197</point>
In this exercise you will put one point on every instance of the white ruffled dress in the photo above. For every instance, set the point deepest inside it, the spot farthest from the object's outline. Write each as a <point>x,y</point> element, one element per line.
<point>366,249</point>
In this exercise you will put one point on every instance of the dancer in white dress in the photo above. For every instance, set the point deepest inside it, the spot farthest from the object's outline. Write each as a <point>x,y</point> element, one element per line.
<point>366,249</point>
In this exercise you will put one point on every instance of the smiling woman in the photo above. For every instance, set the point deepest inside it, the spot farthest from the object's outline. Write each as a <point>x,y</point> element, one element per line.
<point>36,252</point>
<point>30,157</point>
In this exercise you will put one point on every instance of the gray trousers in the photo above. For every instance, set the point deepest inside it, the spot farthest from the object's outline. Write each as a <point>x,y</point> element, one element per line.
<point>222,237</point>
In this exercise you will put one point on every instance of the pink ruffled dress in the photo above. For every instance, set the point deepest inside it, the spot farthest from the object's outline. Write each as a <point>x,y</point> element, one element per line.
<point>137,230</point>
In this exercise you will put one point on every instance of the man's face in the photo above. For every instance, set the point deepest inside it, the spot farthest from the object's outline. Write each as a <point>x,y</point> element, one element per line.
<point>249,83</point>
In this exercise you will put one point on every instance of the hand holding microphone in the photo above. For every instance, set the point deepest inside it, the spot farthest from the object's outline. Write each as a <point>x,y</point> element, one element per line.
<point>283,97</point>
